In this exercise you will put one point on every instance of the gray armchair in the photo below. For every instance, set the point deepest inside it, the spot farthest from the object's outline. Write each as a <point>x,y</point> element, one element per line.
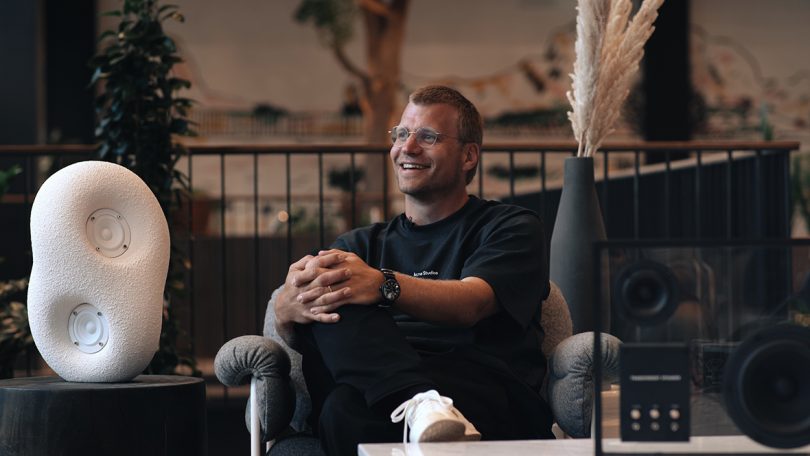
<point>284,405</point>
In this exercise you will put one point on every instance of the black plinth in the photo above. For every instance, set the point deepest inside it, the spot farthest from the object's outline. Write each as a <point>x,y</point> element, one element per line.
<point>151,415</point>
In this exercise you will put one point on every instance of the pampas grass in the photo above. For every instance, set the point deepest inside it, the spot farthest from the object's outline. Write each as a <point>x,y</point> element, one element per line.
<point>609,47</point>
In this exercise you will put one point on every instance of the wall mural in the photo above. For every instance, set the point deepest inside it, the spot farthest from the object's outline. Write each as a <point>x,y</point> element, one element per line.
<point>524,99</point>
<point>257,73</point>
<point>264,79</point>
<point>737,98</point>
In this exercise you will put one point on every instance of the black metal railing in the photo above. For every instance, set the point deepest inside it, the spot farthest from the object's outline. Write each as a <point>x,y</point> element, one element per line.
<point>269,205</point>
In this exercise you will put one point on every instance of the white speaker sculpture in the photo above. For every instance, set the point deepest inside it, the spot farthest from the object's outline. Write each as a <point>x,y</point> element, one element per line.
<point>100,245</point>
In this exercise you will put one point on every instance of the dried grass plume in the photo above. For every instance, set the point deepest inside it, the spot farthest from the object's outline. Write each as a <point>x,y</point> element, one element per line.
<point>609,47</point>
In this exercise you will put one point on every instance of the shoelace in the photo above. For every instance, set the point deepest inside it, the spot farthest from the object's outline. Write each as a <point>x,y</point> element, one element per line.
<point>407,408</point>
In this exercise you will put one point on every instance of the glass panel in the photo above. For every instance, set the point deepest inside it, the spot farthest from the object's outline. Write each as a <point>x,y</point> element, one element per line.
<point>715,342</point>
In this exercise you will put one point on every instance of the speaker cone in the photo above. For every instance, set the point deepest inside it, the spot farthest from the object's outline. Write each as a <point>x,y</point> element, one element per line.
<point>645,292</point>
<point>88,328</point>
<point>767,386</point>
<point>108,232</point>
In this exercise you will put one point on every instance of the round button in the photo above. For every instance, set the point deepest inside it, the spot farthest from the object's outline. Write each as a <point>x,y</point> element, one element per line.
<point>635,427</point>
<point>674,427</point>
<point>655,413</point>
<point>675,414</point>
<point>655,426</point>
<point>635,414</point>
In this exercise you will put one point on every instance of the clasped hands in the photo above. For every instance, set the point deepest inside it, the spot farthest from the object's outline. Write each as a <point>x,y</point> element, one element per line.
<point>317,285</point>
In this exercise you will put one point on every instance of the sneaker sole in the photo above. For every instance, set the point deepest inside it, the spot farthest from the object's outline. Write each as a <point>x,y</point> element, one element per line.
<point>471,437</point>
<point>445,431</point>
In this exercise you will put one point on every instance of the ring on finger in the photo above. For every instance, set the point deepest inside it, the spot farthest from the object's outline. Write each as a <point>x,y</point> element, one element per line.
<point>329,287</point>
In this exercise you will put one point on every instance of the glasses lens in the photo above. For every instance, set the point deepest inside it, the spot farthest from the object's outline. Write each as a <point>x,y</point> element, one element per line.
<point>399,134</point>
<point>426,136</point>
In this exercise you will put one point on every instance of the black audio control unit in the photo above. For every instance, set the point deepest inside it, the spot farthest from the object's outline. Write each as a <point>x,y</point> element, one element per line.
<point>654,397</point>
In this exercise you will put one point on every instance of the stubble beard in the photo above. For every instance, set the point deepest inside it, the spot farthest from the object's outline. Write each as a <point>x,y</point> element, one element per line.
<point>431,191</point>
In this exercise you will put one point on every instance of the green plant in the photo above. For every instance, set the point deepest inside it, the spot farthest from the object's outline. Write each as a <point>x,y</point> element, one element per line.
<point>6,176</point>
<point>344,179</point>
<point>518,172</point>
<point>15,334</point>
<point>800,187</point>
<point>139,116</point>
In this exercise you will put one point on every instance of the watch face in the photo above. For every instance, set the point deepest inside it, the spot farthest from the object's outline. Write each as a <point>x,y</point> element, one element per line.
<point>390,289</point>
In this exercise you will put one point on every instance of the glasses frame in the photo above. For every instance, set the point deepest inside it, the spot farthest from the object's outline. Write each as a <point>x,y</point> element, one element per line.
<point>421,141</point>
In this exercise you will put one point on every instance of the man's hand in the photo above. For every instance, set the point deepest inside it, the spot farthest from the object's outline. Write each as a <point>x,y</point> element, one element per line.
<point>313,275</point>
<point>360,286</point>
<point>448,302</point>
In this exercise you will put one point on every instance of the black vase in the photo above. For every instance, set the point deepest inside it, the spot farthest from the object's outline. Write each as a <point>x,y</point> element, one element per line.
<point>577,225</point>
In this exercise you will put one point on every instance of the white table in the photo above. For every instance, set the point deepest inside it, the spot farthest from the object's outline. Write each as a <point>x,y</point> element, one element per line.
<point>572,447</point>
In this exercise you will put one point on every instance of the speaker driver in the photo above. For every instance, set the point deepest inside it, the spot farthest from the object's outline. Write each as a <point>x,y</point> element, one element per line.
<point>108,232</point>
<point>88,328</point>
<point>767,386</point>
<point>645,292</point>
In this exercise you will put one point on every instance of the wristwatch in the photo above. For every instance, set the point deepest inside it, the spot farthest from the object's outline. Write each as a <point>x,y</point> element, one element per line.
<point>389,288</point>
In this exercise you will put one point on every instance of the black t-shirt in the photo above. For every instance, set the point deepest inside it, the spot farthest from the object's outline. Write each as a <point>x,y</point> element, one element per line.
<point>500,243</point>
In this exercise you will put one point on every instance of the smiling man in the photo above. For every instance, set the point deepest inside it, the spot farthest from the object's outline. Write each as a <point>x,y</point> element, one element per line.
<point>433,317</point>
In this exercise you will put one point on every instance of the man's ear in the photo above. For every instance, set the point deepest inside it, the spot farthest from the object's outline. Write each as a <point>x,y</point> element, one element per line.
<point>472,152</point>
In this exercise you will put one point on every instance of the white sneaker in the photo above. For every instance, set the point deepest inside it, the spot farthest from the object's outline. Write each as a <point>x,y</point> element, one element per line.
<point>432,418</point>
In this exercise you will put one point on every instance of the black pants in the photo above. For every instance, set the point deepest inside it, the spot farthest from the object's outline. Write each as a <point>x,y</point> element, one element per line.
<point>358,370</point>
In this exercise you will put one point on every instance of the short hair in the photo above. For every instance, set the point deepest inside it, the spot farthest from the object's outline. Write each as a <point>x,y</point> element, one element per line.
<point>470,123</point>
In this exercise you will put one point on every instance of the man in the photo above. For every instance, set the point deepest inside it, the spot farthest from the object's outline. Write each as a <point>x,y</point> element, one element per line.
<point>441,302</point>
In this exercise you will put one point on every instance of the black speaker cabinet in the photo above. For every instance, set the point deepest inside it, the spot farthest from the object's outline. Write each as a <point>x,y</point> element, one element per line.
<point>716,346</point>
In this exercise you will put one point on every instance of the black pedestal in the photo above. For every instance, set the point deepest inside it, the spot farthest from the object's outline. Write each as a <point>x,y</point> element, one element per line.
<point>151,415</point>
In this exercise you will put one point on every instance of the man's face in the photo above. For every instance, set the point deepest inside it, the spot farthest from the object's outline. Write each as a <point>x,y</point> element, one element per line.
<point>428,172</point>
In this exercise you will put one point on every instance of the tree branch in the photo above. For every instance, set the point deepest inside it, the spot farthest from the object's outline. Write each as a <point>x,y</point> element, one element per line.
<point>375,7</point>
<point>348,65</point>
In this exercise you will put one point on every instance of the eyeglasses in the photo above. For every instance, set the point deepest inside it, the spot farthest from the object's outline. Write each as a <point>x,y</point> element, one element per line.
<point>425,136</point>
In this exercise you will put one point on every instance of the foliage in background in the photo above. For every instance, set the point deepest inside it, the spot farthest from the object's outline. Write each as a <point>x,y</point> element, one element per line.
<point>15,334</point>
<point>6,176</point>
<point>800,187</point>
<point>344,179</point>
<point>139,115</point>
<point>518,172</point>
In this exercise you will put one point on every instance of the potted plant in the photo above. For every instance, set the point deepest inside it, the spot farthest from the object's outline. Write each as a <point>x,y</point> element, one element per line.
<point>609,46</point>
<point>139,118</point>
<point>15,335</point>
<point>346,179</point>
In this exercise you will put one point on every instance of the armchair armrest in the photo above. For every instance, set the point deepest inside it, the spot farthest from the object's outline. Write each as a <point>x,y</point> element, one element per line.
<point>256,356</point>
<point>570,380</point>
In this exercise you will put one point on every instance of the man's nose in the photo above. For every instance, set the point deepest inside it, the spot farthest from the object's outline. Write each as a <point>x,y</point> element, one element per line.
<point>411,146</point>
